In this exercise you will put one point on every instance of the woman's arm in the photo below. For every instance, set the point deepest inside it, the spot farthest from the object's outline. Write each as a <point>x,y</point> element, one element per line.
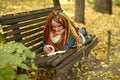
<point>71,40</point>
<point>69,43</point>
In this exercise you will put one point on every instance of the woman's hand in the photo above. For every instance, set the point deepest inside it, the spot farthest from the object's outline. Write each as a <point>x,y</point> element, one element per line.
<point>49,49</point>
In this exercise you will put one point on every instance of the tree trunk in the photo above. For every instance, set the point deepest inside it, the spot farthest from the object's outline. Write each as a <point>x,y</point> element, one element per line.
<point>56,3</point>
<point>79,11</point>
<point>103,6</point>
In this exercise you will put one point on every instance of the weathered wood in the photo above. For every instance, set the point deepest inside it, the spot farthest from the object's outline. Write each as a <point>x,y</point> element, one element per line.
<point>64,56</point>
<point>27,28</point>
<point>18,17</point>
<point>14,26</point>
<point>77,56</point>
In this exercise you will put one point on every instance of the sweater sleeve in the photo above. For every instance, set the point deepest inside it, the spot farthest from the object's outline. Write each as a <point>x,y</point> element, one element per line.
<point>71,40</point>
<point>69,43</point>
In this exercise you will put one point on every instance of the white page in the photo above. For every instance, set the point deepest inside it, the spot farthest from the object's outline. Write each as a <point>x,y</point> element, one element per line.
<point>57,52</point>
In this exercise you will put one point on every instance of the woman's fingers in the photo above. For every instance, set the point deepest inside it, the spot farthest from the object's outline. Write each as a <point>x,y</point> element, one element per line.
<point>48,49</point>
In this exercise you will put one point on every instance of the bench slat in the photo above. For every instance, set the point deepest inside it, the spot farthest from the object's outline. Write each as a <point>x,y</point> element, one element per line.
<point>38,46</point>
<point>28,13</point>
<point>16,20</point>
<point>49,62</point>
<point>40,61</point>
<point>39,50</point>
<point>25,29</point>
<point>23,35</point>
<point>32,38</point>
<point>61,59</point>
<point>9,19</point>
<point>77,56</point>
<point>15,26</point>
<point>38,40</point>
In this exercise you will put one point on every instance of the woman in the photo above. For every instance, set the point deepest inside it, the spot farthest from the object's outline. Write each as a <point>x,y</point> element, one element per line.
<point>60,33</point>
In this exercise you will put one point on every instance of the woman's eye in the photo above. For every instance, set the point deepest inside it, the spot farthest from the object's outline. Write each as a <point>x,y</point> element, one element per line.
<point>59,26</point>
<point>53,26</point>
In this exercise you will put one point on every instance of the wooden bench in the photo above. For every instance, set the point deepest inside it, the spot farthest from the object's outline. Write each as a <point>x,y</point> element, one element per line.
<point>27,27</point>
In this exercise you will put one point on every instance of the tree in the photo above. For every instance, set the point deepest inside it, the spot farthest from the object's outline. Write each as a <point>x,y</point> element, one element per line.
<point>79,11</point>
<point>56,3</point>
<point>103,6</point>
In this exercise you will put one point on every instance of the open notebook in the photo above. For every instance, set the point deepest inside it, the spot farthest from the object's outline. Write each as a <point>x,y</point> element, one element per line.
<point>57,52</point>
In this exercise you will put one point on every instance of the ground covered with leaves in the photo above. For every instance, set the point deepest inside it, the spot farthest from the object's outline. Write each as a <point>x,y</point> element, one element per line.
<point>98,66</point>
<point>95,67</point>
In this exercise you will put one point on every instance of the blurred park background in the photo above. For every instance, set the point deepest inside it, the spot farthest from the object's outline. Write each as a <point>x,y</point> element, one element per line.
<point>95,22</point>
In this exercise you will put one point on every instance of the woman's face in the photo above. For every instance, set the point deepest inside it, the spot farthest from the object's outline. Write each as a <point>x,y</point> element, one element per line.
<point>56,26</point>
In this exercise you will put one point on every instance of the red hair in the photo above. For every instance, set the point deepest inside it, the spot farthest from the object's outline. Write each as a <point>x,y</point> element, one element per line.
<point>64,23</point>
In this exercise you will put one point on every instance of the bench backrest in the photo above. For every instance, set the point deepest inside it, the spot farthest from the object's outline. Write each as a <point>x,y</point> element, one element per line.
<point>26,27</point>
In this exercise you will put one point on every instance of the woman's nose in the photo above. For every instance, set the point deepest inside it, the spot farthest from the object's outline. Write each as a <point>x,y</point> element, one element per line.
<point>56,28</point>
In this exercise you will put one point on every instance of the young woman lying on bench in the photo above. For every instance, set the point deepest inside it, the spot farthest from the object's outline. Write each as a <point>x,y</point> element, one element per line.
<point>60,33</point>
